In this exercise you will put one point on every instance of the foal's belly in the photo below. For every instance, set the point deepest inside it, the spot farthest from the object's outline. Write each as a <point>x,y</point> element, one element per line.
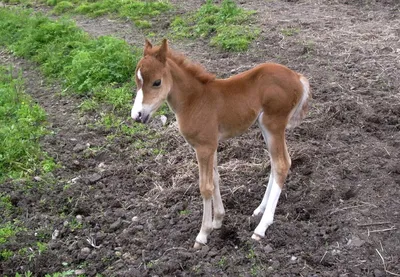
<point>236,125</point>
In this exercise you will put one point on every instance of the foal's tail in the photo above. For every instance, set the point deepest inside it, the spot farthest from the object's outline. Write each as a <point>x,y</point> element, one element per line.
<point>300,111</point>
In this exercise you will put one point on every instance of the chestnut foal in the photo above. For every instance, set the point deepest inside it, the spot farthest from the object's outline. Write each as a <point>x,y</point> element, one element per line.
<point>209,110</point>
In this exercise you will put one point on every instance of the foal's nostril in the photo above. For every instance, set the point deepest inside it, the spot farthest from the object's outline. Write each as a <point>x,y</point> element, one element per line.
<point>139,117</point>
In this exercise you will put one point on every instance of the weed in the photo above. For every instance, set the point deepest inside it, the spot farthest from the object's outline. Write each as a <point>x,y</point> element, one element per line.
<point>6,254</point>
<point>5,204</point>
<point>184,212</point>
<point>7,231</point>
<point>89,105</point>
<point>119,98</point>
<point>42,247</point>
<point>222,262</point>
<point>290,31</point>
<point>26,274</point>
<point>256,267</point>
<point>224,23</point>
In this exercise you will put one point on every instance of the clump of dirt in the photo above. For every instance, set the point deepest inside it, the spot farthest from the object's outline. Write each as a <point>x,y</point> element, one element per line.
<point>338,214</point>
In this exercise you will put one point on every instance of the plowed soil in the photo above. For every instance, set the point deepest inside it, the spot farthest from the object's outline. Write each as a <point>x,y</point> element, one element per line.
<point>339,214</point>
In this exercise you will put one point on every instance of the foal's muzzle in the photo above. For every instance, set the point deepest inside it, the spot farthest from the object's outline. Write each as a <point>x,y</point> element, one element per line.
<point>142,118</point>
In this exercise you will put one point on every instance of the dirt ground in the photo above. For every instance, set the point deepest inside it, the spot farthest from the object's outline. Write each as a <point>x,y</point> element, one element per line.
<point>339,214</point>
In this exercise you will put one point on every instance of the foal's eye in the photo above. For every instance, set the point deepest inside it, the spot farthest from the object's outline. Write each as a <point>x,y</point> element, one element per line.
<point>157,83</point>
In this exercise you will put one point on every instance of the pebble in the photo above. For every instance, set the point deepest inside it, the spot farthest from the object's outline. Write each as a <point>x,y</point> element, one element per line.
<point>55,234</point>
<point>94,178</point>
<point>355,241</point>
<point>268,248</point>
<point>275,265</point>
<point>163,119</point>
<point>80,272</point>
<point>135,219</point>
<point>79,218</point>
<point>85,251</point>
<point>116,225</point>
<point>79,147</point>
<point>378,273</point>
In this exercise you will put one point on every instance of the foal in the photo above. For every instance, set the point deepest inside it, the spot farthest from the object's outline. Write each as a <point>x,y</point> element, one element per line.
<point>209,110</point>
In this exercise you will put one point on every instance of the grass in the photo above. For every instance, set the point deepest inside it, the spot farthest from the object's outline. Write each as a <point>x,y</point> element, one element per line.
<point>139,12</point>
<point>97,69</point>
<point>22,124</point>
<point>64,51</point>
<point>227,25</point>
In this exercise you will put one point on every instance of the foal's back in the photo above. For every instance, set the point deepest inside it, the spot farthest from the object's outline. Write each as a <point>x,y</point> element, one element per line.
<point>270,88</point>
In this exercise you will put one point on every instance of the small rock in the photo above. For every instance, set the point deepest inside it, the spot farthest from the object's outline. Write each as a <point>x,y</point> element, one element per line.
<point>378,273</point>
<point>163,119</point>
<point>85,251</point>
<point>79,218</point>
<point>135,219</point>
<point>275,264</point>
<point>55,234</point>
<point>204,250</point>
<point>66,223</point>
<point>80,272</point>
<point>94,178</point>
<point>212,253</point>
<point>268,248</point>
<point>116,225</point>
<point>74,180</point>
<point>79,147</point>
<point>355,241</point>
<point>37,178</point>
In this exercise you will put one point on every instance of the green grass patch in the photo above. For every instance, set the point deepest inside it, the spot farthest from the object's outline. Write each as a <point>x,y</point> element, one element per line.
<point>64,51</point>
<point>22,124</point>
<point>63,7</point>
<point>227,25</point>
<point>133,9</point>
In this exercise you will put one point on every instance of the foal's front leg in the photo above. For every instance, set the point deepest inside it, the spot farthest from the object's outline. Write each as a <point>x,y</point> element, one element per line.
<point>205,161</point>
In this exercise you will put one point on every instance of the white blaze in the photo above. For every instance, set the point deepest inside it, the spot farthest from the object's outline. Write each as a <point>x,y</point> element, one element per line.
<point>138,104</point>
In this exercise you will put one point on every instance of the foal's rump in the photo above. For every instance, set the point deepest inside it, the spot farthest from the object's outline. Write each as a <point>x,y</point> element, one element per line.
<point>300,110</point>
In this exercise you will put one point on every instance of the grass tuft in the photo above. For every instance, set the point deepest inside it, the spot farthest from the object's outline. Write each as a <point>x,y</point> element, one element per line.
<point>22,124</point>
<point>226,24</point>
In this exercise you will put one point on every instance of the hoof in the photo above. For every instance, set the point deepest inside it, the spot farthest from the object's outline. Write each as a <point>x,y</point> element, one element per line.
<point>198,245</point>
<point>256,237</point>
<point>257,212</point>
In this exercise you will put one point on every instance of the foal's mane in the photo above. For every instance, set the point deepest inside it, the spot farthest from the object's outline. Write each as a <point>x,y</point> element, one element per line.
<point>195,69</point>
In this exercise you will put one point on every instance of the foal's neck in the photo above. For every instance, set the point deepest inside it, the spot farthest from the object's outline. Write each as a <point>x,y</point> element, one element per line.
<point>185,87</point>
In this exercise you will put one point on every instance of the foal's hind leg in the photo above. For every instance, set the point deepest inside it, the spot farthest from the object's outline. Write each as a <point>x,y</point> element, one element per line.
<point>274,133</point>
<point>219,211</point>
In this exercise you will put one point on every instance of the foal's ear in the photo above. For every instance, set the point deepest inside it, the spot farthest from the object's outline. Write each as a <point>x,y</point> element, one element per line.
<point>147,46</point>
<point>162,52</point>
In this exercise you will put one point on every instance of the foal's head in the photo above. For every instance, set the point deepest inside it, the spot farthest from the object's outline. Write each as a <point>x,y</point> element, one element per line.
<point>153,81</point>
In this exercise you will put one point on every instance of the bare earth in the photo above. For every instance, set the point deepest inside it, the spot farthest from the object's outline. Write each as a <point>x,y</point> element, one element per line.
<point>339,214</point>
